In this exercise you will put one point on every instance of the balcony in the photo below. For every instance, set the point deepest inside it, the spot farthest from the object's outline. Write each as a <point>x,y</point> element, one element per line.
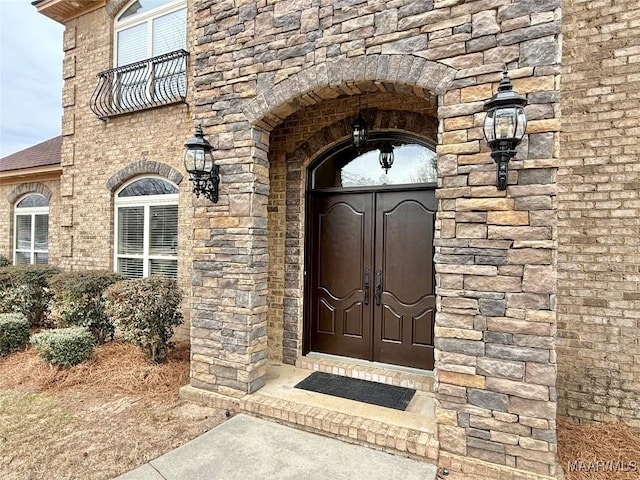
<point>151,83</point>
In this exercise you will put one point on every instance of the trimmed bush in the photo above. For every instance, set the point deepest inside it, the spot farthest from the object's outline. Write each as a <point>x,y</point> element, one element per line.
<point>24,289</point>
<point>78,300</point>
<point>64,346</point>
<point>14,332</point>
<point>4,261</point>
<point>147,310</point>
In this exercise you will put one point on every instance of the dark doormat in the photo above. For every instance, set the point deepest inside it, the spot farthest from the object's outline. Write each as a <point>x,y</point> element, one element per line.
<point>365,391</point>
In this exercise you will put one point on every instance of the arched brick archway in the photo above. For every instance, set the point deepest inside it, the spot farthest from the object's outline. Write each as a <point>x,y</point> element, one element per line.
<point>286,232</point>
<point>242,134</point>
<point>142,167</point>
<point>338,77</point>
<point>24,188</point>
<point>113,7</point>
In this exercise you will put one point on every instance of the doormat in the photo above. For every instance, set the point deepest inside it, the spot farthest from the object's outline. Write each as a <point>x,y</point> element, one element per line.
<point>374,393</point>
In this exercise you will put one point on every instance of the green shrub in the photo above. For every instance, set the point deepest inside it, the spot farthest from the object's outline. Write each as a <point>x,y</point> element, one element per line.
<point>64,346</point>
<point>14,332</point>
<point>24,289</point>
<point>78,300</point>
<point>147,310</point>
<point>4,261</point>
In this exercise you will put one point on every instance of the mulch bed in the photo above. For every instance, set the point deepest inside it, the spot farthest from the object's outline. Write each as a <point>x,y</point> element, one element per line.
<point>598,451</point>
<point>117,367</point>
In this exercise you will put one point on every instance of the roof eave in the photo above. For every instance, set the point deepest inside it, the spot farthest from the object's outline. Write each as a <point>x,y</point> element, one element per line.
<point>64,10</point>
<point>43,172</point>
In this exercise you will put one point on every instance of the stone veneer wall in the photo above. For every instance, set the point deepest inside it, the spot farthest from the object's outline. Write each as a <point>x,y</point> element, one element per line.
<point>10,193</point>
<point>258,62</point>
<point>98,157</point>
<point>599,213</point>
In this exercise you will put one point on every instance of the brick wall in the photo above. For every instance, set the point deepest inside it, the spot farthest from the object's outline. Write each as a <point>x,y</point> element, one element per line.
<point>599,211</point>
<point>98,156</point>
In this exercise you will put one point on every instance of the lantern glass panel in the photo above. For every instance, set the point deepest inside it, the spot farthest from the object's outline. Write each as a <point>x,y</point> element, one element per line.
<point>198,159</point>
<point>189,160</point>
<point>489,132</point>
<point>207,161</point>
<point>386,159</point>
<point>359,133</point>
<point>522,124</point>
<point>505,123</point>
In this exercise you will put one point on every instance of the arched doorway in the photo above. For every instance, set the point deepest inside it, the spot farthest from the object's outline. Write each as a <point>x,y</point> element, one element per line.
<point>370,286</point>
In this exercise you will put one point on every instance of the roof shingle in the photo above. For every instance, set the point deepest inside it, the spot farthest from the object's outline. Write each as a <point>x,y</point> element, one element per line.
<point>45,153</point>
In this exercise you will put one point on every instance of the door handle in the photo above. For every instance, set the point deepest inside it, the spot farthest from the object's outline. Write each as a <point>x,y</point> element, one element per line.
<point>366,286</point>
<point>378,286</point>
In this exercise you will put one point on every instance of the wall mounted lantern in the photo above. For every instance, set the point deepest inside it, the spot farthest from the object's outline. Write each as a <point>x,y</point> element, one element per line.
<point>203,172</point>
<point>504,127</point>
<point>386,156</point>
<point>359,131</point>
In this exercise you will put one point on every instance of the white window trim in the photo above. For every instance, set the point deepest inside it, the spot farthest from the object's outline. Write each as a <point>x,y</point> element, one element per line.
<point>32,212</point>
<point>146,201</point>
<point>147,18</point>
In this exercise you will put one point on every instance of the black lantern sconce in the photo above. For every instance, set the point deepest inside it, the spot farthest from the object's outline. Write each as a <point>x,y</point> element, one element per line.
<point>386,156</point>
<point>359,131</point>
<point>504,127</point>
<point>203,172</point>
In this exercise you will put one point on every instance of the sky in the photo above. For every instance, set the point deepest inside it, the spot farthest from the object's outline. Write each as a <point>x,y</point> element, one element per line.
<point>30,76</point>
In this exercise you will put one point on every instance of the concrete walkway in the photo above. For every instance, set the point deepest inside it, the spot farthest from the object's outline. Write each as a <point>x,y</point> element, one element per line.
<point>246,447</point>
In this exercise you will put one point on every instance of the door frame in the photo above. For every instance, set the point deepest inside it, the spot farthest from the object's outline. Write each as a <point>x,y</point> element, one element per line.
<point>310,191</point>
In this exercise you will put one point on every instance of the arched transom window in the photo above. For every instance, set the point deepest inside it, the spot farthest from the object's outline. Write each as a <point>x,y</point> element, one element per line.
<point>31,233</point>
<point>413,162</point>
<point>146,228</point>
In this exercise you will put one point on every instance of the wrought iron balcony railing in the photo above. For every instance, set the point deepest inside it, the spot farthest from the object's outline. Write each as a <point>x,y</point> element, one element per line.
<point>147,84</point>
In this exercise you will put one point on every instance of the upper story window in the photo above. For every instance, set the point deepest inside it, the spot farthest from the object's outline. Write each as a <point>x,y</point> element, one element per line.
<point>148,28</point>
<point>31,233</point>
<point>146,228</point>
<point>150,59</point>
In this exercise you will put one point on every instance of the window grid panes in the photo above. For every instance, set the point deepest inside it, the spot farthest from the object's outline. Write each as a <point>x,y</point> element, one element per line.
<point>31,230</point>
<point>148,29</point>
<point>147,229</point>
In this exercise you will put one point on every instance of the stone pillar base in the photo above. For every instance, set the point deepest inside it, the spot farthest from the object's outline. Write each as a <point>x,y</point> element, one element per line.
<point>465,468</point>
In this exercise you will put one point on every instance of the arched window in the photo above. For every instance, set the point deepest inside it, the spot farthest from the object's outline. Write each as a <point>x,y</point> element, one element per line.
<point>146,228</point>
<point>414,162</point>
<point>31,232</point>
<point>147,29</point>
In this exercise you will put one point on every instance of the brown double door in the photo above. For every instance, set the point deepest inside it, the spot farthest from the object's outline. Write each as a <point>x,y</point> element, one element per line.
<point>372,281</point>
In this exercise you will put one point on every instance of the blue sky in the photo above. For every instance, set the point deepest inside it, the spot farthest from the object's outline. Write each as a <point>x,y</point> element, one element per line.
<point>30,76</point>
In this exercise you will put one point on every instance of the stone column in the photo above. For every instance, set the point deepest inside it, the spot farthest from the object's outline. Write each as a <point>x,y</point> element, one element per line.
<point>496,283</point>
<point>229,317</point>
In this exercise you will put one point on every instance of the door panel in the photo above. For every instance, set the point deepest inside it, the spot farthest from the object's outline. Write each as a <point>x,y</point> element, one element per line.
<point>404,255</point>
<point>341,249</point>
<point>384,239</point>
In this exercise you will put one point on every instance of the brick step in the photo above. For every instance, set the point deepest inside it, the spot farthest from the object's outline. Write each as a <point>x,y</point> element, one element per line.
<point>421,380</point>
<point>410,433</point>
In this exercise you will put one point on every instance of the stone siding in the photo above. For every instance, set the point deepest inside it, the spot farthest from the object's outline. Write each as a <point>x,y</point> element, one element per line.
<point>599,212</point>
<point>257,65</point>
